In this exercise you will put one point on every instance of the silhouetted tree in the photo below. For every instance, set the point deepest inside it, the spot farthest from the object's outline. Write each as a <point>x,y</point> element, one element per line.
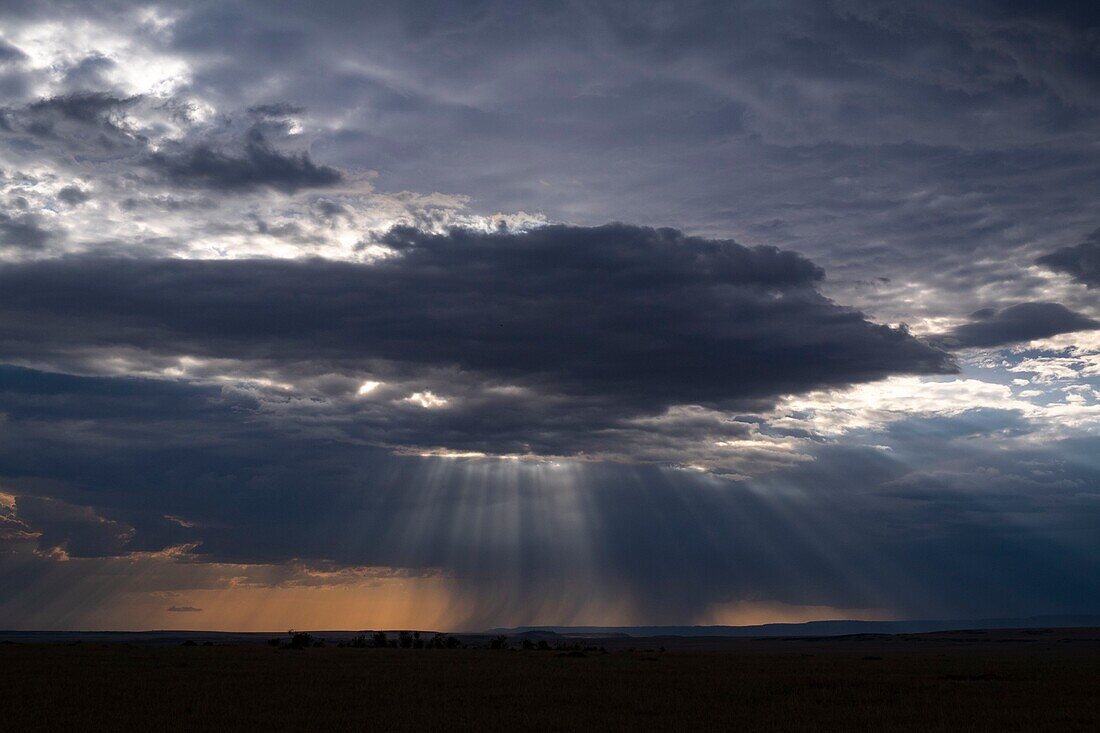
<point>379,640</point>
<point>302,639</point>
<point>498,642</point>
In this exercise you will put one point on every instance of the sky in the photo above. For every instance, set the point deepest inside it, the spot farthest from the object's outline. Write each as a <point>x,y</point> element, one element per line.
<point>458,315</point>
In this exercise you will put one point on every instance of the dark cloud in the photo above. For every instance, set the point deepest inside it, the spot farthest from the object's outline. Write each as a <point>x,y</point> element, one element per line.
<point>166,203</point>
<point>184,609</point>
<point>78,530</point>
<point>1020,322</point>
<point>556,341</point>
<point>57,396</point>
<point>22,233</point>
<point>73,195</point>
<point>276,109</point>
<point>125,137</point>
<point>944,522</point>
<point>73,130</point>
<point>329,209</point>
<point>95,108</point>
<point>648,317</point>
<point>89,73</point>
<point>1082,261</point>
<point>260,165</point>
<point>8,52</point>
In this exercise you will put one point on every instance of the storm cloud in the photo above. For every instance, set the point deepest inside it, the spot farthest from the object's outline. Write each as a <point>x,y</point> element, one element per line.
<point>639,318</point>
<point>1081,261</point>
<point>87,120</point>
<point>1020,322</point>
<point>259,165</point>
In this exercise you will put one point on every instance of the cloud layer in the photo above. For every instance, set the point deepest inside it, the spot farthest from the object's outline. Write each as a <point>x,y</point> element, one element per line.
<point>300,300</point>
<point>924,516</point>
<point>544,336</point>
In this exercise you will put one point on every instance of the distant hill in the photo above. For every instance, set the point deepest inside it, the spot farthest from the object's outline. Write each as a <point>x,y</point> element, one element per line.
<point>812,628</point>
<point>555,634</point>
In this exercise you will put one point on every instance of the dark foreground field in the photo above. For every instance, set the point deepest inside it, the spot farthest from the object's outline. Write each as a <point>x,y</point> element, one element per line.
<point>995,681</point>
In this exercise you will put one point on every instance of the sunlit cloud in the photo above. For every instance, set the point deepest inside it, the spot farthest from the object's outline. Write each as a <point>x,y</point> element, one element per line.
<point>368,386</point>
<point>427,399</point>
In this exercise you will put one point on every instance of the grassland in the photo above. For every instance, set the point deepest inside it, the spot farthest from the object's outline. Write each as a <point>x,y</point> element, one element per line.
<point>944,682</point>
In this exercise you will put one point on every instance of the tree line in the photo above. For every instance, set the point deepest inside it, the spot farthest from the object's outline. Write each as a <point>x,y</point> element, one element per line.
<point>414,640</point>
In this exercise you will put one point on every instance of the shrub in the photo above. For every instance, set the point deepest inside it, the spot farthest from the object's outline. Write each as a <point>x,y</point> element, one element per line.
<point>301,639</point>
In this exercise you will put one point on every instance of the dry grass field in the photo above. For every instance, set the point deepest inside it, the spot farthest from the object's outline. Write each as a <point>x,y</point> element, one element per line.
<point>942,682</point>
